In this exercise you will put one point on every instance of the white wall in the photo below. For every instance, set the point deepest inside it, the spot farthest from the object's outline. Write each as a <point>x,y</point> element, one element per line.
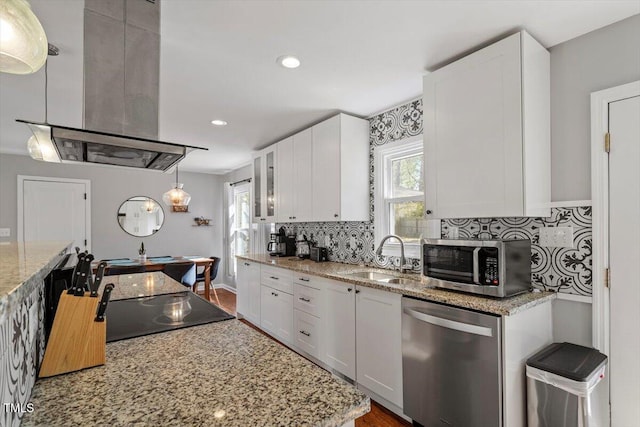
<point>109,188</point>
<point>598,60</point>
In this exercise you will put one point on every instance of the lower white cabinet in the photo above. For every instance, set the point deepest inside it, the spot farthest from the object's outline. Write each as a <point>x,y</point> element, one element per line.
<point>248,291</point>
<point>307,332</point>
<point>276,313</point>
<point>339,325</point>
<point>378,342</point>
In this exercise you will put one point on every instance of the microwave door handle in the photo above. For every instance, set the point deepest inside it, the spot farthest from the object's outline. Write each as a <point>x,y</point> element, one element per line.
<point>476,266</point>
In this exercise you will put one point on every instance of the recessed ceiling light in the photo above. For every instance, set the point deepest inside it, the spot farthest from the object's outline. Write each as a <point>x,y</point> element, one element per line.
<point>218,122</point>
<point>288,61</point>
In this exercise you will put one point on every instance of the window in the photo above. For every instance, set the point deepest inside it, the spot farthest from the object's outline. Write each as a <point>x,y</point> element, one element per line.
<point>399,195</point>
<point>239,224</point>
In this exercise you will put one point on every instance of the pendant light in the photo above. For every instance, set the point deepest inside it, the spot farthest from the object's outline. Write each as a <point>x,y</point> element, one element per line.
<point>177,198</point>
<point>149,206</point>
<point>23,43</point>
<point>40,145</point>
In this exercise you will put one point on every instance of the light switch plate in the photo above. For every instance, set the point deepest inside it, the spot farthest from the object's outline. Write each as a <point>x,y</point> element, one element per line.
<point>556,237</point>
<point>5,232</point>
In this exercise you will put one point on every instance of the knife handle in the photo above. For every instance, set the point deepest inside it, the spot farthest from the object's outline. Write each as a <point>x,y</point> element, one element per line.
<point>85,272</point>
<point>76,274</point>
<point>98,280</point>
<point>102,307</point>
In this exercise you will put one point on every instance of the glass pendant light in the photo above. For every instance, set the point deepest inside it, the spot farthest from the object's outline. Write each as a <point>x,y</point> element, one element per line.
<point>176,196</point>
<point>23,43</point>
<point>149,206</point>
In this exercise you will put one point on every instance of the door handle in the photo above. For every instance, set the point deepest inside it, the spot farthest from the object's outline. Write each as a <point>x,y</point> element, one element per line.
<point>476,266</point>
<point>304,299</point>
<point>303,279</point>
<point>449,324</point>
<point>305,333</point>
<point>274,278</point>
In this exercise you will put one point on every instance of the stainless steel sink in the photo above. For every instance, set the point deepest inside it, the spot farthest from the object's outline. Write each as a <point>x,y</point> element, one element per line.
<point>401,281</point>
<point>372,275</point>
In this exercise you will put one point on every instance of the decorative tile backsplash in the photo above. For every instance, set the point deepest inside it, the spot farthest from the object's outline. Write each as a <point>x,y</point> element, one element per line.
<point>566,270</point>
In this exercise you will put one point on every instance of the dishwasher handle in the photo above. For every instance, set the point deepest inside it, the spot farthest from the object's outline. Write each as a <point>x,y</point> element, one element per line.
<point>450,324</point>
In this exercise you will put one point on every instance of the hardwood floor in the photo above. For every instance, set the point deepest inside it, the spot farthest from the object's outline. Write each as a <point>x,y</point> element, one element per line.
<point>377,417</point>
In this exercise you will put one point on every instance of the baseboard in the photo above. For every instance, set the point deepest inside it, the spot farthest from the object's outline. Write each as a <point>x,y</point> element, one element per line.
<point>384,402</point>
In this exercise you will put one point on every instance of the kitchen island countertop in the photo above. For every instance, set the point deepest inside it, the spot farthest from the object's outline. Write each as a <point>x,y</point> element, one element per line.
<point>417,288</point>
<point>219,374</point>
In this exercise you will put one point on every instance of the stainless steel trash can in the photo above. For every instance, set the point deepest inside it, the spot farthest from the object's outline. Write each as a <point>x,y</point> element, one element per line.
<point>560,381</point>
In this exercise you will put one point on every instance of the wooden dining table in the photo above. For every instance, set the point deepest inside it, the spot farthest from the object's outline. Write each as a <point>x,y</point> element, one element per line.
<point>158,263</point>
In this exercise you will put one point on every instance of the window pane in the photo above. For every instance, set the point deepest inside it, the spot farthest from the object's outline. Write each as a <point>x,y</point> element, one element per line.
<point>406,176</point>
<point>406,220</point>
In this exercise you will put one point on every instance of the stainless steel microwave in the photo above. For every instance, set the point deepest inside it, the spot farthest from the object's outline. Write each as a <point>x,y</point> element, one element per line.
<point>497,268</point>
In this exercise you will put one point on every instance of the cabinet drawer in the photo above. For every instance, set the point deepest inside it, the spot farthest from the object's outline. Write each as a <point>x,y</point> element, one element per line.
<point>307,299</point>
<point>307,333</point>
<point>277,278</point>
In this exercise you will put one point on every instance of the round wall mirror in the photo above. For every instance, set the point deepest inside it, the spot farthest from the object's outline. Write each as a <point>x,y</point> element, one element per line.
<point>140,216</point>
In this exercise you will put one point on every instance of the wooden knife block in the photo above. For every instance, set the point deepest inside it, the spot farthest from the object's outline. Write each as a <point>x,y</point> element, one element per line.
<point>77,341</point>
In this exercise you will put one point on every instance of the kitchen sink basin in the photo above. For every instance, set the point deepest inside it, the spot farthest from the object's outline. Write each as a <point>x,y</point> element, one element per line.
<point>401,281</point>
<point>372,275</point>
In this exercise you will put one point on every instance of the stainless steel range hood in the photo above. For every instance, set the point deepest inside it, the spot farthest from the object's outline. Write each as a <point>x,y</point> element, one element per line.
<point>71,145</point>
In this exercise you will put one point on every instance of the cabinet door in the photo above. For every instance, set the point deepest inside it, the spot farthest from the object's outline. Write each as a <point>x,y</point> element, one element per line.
<point>473,141</point>
<point>379,341</point>
<point>286,180</point>
<point>253,314</point>
<point>307,332</point>
<point>270,188</point>
<point>257,189</point>
<point>268,310</point>
<point>302,176</point>
<point>242,287</point>
<point>339,319</point>
<point>326,170</point>
<point>283,304</point>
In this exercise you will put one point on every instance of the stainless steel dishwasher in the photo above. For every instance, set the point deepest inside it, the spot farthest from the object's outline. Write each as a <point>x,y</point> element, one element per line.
<point>451,365</point>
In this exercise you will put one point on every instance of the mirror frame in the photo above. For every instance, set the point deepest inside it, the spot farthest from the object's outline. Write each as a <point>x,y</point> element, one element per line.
<point>164,216</point>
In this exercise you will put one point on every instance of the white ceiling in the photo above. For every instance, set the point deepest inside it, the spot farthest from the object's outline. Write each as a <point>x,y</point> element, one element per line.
<point>218,61</point>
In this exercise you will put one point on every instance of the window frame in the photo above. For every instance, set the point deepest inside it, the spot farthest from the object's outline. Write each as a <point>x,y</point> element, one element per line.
<point>383,156</point>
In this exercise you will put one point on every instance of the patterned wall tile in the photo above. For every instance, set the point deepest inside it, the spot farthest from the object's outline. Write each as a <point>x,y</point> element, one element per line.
<point>566,270</point>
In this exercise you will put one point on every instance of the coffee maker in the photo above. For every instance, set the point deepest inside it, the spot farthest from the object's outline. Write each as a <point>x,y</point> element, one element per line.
<point>281,245</point>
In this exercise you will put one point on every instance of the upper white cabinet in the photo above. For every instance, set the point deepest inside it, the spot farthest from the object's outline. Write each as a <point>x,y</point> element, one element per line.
<point>340,169</point>
<point>294,178</point>
<point>264,185</point>
<point>487,133</point>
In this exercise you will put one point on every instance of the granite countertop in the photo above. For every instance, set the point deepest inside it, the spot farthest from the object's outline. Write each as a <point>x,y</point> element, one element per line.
<point>141,284</point>
<point>417,288</point>
<point>20,262</point>
<point>220,374</point>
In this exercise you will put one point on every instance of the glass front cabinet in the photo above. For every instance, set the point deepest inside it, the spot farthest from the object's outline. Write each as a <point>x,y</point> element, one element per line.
<point>264,186</point>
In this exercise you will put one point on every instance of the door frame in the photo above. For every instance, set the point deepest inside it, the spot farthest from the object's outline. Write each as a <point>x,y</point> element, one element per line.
<point>86,182</point>
<point>600,203</point>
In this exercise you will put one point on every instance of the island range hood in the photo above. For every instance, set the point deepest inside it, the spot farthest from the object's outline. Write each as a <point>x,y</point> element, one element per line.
<point>61,144</point>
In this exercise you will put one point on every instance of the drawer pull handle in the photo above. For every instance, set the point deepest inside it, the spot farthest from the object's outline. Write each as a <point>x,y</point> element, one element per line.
<point>349,289</point>
<point>274,294</point>
<point>274,278</point>
<point>305,333</point>
<point>247,264</point>
<point>304,299</point>
<point>302,279</point>
<point>357,291</point>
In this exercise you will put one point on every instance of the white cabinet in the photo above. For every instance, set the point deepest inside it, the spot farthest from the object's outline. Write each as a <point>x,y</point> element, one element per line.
<point>378,343</point>
<point>307,333</point>
<point>276,313</point>
<point>487,133</point>
<point>276,303</point>
<point>294,178</point>
<point>248,291</point>
<point>339,324</point>
<point>340,169</point>
<point>264,185</point>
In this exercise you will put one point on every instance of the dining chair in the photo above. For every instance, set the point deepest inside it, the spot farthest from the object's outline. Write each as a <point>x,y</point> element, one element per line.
<point>183,272</point>
<point>213,273</point>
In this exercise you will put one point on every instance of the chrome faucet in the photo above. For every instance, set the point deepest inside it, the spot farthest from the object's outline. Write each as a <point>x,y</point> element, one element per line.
<point>402,258</point>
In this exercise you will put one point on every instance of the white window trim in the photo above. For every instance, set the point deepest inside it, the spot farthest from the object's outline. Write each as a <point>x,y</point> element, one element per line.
<point>381,213</point>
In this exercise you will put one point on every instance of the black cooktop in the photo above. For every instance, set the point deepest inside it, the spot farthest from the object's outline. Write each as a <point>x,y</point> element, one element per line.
<point>132,318</point>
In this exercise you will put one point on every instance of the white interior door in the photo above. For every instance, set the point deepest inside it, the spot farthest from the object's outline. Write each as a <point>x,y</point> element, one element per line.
<point>53,209</point>
<point>624,253</point>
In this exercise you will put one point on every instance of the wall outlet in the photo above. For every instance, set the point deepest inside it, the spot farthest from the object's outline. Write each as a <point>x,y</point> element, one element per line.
<point>5,232</point>
<point>556,237</point>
